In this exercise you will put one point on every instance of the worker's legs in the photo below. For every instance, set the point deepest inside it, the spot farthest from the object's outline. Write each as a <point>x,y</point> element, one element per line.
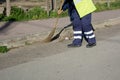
<point>88,29</point>
<point>77,30</point>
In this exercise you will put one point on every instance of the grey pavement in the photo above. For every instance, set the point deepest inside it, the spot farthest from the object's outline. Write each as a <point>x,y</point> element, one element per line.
<point>15,34</point>
<point>54,61</point>
<point>97,63</point>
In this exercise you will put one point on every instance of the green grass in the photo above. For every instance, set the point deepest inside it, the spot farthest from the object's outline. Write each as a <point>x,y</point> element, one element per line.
<point>18,14</point>
<point>104,6</point>
<point>3,49</point>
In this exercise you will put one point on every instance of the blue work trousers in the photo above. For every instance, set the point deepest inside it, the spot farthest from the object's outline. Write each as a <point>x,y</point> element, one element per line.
<point>82,27</point>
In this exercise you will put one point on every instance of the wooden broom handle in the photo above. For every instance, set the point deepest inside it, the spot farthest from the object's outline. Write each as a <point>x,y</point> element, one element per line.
<point>62,1</point>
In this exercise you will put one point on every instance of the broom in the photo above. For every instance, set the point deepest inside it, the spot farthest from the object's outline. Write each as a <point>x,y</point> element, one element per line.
<point>58,35</point>
<point>49,37</point>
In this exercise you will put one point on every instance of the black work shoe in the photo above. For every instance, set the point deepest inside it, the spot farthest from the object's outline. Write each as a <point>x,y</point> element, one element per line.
<point>90,45</point>
<point>73,45</point>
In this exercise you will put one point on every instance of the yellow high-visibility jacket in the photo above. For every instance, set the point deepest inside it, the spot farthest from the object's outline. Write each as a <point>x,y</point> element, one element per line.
<point>84,7</point>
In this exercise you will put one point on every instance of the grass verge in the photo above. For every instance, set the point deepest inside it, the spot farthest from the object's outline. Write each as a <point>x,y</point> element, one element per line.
<point>18,14</point>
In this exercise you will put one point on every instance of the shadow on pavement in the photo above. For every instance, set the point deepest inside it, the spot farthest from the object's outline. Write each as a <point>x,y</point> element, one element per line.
<point>6,25</point>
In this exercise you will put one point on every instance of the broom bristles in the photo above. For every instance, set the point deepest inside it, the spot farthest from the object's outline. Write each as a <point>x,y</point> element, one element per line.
<point>49,37</point>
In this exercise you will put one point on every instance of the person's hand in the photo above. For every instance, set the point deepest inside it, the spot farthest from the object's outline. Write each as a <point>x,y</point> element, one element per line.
<point>60,11</point>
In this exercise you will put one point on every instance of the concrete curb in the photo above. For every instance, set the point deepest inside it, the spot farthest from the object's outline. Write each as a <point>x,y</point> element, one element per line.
<point>32,38</point>
<point>107,23</point>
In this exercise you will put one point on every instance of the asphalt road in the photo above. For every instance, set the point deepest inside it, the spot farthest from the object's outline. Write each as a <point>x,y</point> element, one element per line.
<point>54,61</point>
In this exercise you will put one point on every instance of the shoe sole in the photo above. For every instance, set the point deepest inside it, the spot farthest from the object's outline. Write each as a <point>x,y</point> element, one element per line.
<point>91,46</point>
